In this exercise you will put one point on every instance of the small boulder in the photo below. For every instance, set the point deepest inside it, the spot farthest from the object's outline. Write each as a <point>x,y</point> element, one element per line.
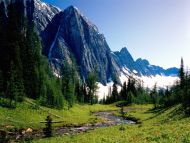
<point>29,130</point>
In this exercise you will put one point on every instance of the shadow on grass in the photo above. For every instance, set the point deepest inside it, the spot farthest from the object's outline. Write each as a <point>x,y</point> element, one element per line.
<point>5,103</point>
<point>176,112</point>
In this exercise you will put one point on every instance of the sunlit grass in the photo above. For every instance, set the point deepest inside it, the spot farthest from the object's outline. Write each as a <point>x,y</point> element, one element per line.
<point>163,126</point>
<point>27,115</point>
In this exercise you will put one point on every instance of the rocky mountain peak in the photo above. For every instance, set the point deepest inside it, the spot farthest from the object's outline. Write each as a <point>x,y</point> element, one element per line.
<point>124,50</point>
<point>68,35</point>
<point>73,11</point>
<point>142,61</point>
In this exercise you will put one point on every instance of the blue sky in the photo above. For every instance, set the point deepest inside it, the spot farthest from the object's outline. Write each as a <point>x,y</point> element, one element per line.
<point>158,30</point>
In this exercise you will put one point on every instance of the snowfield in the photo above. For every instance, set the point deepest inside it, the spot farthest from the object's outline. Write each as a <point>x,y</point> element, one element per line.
<point>160,81</point>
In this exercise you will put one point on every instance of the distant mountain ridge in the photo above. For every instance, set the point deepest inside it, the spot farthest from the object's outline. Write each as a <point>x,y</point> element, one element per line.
<point>67,35</point>
<point>142,67</point>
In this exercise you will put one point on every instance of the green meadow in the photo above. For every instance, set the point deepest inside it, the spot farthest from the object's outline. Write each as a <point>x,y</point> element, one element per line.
<point>155,126</point>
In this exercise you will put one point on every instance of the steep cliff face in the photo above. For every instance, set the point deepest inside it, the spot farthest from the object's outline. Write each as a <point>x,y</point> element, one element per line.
<point>43,14</point>
<point>89,48</point>
<point>69,36</point>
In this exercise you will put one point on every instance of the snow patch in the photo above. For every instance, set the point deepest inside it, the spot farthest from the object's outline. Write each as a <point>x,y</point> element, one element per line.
<point>148,81</point>
<point>104,90</point>
<point>160,80</point>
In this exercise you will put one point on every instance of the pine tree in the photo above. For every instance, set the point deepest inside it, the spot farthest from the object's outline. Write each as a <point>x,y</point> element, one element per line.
<point>131,86</point>
<point>48,129</point>
<point>15,86</point>
<point>154,95</point>
<point>182,74</point>
<point>70,94</point>
<point>80,92</point>
<point>186,91</point>
<point>115,93</point>
<point>13,69</point>
<point>123,92</point>
<point>104,100</point>
<point>31,58</point>
<point>130,97</point>
<point>92,85</point>
<point>69,81</point>
<point>2,37</point>
<point>85,94</point>
<point>1,84</point>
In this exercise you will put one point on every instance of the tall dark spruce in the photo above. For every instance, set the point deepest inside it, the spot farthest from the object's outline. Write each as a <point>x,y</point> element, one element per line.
<point>13,47</point>
<point>2,46</point>
<point>24,71</point>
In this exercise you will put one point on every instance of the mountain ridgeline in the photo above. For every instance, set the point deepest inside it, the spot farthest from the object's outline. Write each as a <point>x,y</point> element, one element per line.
<point>68,36</point>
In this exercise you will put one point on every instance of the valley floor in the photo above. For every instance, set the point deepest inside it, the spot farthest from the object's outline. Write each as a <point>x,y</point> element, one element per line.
<point>163,125</point>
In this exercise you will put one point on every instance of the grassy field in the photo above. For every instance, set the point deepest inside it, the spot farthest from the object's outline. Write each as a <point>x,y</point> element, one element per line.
<point>161,126</point>
<point>29,115</point>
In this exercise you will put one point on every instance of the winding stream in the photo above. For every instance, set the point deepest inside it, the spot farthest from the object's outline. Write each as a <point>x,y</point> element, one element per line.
<point>108,117</point>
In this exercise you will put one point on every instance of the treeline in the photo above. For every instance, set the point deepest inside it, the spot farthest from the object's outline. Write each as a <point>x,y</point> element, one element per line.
<point>25,72</point>
<point>131,92</point>
<point>179,93</point>
<point>134,92</point>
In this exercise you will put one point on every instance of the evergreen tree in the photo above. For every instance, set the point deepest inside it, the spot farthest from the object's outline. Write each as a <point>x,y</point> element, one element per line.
<point>1,84</point>
<point>104,100</point>
<point>48,129</point>
<point>115,93</point>
<point>2,37</point>
<point>92,85</point>
<point>182,74</point>
<point>15,86</point>
<point>85,94</point>
<point>69,81</point>
<point>14,68</point>
<point>186,91</point>
<point>131,86</point>
<point>24,70</point>
<point>154,95</point>
<point>70,94</point>
<point>130,97</point>
<point>123,92</point>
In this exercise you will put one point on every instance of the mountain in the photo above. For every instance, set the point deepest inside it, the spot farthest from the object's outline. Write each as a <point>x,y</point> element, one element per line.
<point>142,67</point>
<point>78,38</point>
<point>124,59</point>
<point>67,35</point>
<point>43,13</point>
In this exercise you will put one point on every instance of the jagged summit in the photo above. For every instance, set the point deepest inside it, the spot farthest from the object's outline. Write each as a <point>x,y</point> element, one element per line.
<point>124,49</point>
<point>72,7</point>
<point>71,10</point>
<point>142,61</point>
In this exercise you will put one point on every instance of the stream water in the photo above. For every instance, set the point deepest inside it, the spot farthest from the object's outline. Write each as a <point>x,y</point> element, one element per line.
<point>108,117</point>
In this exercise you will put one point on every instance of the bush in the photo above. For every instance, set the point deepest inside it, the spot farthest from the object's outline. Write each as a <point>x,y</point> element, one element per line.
<point>121,103</point>
<point>48,129</point>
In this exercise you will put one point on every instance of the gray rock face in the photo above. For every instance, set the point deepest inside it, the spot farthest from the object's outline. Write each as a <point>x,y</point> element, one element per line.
<point>89,48</point>
<point>43,14</point>
<point>125,59</point>
<point>68,35</point>
<point>141,67</point>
